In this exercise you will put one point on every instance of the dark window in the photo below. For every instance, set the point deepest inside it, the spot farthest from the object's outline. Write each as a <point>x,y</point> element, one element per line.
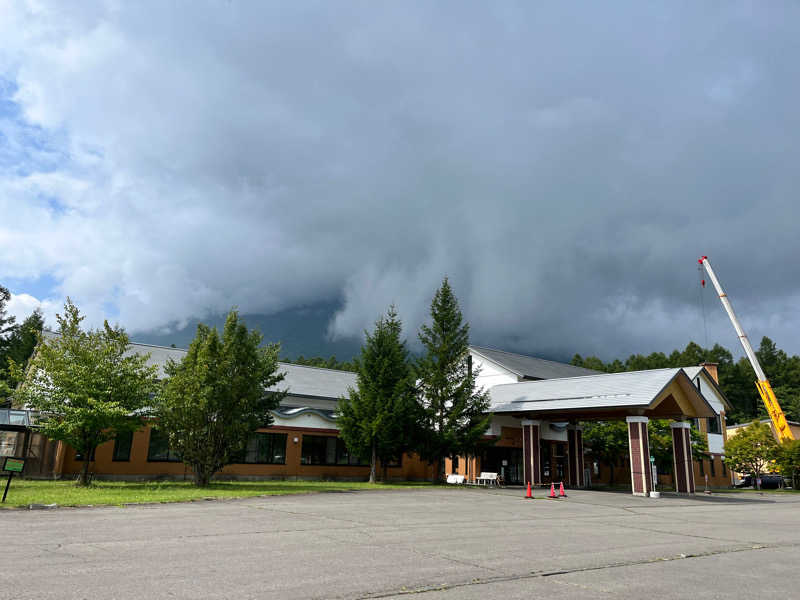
<point>265,449</point>
<point>713,425</point>
<point>455,464</point>
<point>159,450</point>
<point>712,466</point>
<point>122,446</point>
<point>702,467</point>
<point>326,450</point>
<point>79,456</point>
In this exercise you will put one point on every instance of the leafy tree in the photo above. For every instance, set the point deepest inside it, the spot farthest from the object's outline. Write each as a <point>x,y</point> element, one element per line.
<point>788,460</point>
<point>6,321</point>
<point>659,433</point>
<point>22,341</point>
<point>751,449</point>
<point>85,387</point>
<point>606,441</point>
<point>378,420</point>
<point>454,410</point>
<point>217,396</point>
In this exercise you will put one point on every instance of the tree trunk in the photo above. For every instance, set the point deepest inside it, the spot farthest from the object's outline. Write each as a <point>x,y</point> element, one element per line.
<point>84,480</point>
<point>372,462</point>
<point>201,476</point>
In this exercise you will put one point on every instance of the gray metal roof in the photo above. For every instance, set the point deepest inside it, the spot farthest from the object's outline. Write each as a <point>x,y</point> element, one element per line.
<point>529,366</point>
<point>608,390</point>
<point>300,380</point>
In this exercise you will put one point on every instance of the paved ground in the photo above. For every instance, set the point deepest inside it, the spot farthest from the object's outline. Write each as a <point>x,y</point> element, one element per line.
<point>443,544</point>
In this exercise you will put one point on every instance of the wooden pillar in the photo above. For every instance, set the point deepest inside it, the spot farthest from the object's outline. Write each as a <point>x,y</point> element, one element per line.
<point>530,452</point>
<point>683,468</point>
<point>639,447</point>
<point>575,456</point>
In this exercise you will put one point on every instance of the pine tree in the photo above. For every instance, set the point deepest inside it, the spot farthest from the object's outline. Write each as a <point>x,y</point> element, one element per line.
<point>378,420</point>
<point>455,411</point>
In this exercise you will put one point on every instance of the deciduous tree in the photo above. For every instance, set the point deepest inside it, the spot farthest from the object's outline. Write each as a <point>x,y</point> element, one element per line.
<point>85,386</point>
<point>751,450</point>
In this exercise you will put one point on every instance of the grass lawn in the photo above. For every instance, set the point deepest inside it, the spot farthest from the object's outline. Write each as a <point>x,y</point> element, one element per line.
<point>66,493</point>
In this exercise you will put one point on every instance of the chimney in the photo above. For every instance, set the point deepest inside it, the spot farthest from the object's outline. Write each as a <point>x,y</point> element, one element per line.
<point>712,370</point>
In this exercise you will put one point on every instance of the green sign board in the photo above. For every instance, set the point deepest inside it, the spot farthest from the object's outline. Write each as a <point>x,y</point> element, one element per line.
<point>15,465</point>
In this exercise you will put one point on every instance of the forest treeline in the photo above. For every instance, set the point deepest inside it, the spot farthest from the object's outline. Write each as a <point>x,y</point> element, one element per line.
<point>736,377</point>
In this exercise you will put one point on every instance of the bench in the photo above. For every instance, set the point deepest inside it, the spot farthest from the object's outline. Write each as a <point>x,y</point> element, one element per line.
<point>486,479</point>
<point>455,479</point>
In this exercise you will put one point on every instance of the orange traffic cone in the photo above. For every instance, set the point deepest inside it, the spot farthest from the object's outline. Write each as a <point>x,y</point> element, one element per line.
<point>561,491</point>
<point>553,491</point>
<point>529,495</point>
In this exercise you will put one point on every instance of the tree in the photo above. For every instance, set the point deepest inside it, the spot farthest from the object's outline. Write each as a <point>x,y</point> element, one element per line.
<point>788,460</point>
<point>324,363</point>
<point>659,434</point>
<point>607,441</point>
<point>22,341</point>
<point>378,419</point>
<point>6,321</point>
<point>218,395</point>
<point>751,449</point>
<point>454,411</point>
<point>86,389</point>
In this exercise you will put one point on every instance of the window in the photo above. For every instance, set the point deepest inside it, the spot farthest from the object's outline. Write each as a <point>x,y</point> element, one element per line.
<point>159,450</point>
<point>724,469</point>
<point>713,425</point>
<point>712,466</point>
<point>79,456</point>
<point>455,464</point>
<point>702,467</point>
<point>265,449</point>
<point>326,450</point>
<point>122,446</point>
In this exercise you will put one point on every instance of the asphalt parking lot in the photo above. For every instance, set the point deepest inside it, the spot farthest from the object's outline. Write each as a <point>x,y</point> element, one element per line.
<point>435,543</point>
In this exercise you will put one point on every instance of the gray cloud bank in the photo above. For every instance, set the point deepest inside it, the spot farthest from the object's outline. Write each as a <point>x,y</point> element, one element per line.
<point>565,166</point>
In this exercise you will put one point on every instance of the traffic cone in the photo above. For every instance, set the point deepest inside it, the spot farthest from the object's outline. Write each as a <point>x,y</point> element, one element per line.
<point>529,495</point>
<point>553,491</point>
<point>561,491</point>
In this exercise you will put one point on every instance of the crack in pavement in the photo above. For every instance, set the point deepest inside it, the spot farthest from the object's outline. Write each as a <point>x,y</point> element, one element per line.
<point>543,574</point>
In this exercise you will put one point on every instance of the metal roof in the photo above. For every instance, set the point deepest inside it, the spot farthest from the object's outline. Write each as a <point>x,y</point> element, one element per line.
<point>529,366</point>
<point>608,390</point>
<point>300,380</point>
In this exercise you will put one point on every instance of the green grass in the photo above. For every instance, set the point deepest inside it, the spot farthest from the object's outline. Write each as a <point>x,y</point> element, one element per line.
<point>67,493</point>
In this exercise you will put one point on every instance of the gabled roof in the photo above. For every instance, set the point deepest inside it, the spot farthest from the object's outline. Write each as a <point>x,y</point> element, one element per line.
<point>626,392</point>
<point>529,366</point>
<point>693,372</point>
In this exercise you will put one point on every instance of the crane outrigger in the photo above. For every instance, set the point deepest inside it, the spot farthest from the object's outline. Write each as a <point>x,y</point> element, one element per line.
<point>764,388</point>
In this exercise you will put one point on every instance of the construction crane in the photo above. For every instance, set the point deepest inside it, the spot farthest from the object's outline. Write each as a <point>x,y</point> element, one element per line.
<point>764,388</point>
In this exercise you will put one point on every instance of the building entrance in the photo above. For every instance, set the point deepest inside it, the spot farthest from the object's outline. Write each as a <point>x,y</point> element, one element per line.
<point>506,462</point>
<point>554,461</point>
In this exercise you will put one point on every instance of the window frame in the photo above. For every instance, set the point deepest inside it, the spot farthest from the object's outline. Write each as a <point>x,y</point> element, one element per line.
<point>171,458</point>
<point>116,445</point>
<point>270,434</point>
<point>339,450</point>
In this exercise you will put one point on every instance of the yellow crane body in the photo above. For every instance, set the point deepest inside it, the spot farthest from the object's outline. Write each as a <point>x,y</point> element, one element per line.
<point>764,388</point>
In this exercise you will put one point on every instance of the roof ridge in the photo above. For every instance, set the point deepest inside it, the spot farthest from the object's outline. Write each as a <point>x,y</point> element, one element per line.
<point>599,374</point>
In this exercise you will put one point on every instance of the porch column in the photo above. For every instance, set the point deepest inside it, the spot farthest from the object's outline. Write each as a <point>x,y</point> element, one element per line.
<point>683,469</point>
<point>575,456</point>
<point>639,446</point>
<point>530,452</point>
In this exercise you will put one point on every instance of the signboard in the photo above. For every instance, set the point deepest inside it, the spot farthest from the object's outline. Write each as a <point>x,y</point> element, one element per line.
<point>14,465</point>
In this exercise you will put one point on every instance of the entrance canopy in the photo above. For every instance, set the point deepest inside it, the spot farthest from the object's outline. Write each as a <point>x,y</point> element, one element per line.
<point>656,393</point>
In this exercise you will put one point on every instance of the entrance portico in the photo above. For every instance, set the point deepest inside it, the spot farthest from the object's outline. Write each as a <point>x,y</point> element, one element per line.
<point>634,396</point>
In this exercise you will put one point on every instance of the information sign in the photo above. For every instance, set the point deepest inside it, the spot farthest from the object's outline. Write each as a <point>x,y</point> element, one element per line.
<point>14,465</point>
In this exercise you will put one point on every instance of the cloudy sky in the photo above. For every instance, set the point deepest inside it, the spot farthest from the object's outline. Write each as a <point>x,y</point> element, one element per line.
<point>564,165</point>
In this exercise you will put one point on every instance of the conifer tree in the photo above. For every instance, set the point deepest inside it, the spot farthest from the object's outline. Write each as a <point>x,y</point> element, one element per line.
<point>379,418</point>
<point>218,396</point>
<point>455,411</point>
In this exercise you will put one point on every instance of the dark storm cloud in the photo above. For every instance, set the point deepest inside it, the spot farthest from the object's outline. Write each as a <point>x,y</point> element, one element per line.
<point>564,166</point>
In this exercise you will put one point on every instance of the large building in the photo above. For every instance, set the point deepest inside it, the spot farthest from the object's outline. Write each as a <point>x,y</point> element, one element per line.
<point>537,408</point>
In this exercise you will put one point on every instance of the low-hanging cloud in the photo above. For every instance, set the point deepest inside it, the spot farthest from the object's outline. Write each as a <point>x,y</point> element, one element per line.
<point>565,166</point>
